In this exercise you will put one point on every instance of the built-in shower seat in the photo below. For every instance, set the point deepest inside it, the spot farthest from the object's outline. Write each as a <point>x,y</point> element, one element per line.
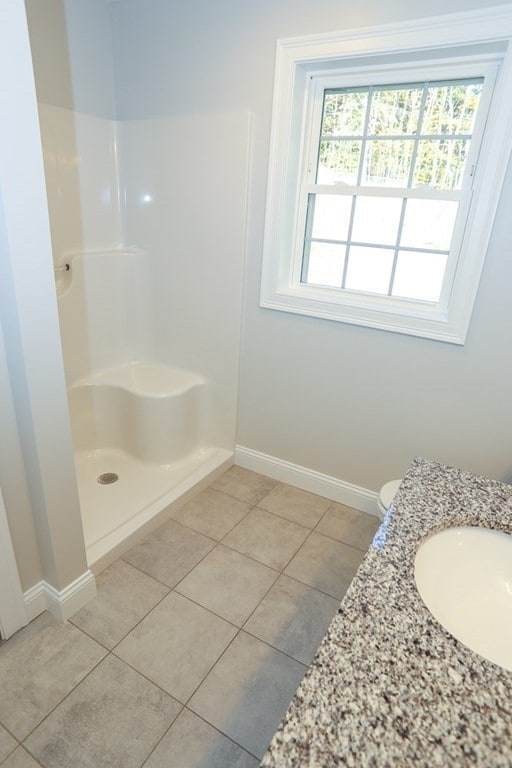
<point>153,411</point>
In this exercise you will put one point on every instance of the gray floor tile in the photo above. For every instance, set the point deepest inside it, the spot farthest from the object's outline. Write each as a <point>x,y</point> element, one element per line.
<point>84,714</point>
<point>125,596</point>
<point>39,665</point>
<point>212,513</point>
<point>270,539</point>
<point>7,744</point>
<point>248,691</point>
<point>293,618</point>
<point>176,645</point>
<point>349,526</point>
<point>20,759</point>
<point>244,485</point>
<point>228,583</point>
<point>299,506</point>
<point>113,719</point>
<point>192,743</point>
<point>169,553</point>
<point>325,564</point>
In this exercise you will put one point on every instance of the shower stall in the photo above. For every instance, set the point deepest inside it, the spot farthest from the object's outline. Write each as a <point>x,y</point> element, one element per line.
<point>148,231</point>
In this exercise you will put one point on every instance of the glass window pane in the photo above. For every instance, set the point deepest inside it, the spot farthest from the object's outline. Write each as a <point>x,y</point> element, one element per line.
<point>376,220</point>
<point>395,111</point>
<point>369,269</point>
<point>419,275</point>
<point>387,163</point>
<point>331,216</point>
<point>338,162</point>
<point>441,163</point>
<point>325,266</point>
<point>344,113</point>
<point>451,109</point>
<point>429,224</point>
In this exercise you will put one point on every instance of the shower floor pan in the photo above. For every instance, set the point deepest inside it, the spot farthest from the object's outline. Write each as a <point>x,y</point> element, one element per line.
<point>113,514</point>
<point>142,428</point>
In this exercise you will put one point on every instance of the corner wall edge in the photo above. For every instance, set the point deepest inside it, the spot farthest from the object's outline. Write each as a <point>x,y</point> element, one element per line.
<point>44,597</point>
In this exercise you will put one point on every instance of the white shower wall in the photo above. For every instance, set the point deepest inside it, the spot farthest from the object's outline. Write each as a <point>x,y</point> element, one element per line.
<point>80,157</point>
<point>176,188</point>
<point>184,186</point>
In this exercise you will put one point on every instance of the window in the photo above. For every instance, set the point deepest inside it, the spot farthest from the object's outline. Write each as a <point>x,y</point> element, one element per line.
<point>393,156</point>
<point>385,172</point>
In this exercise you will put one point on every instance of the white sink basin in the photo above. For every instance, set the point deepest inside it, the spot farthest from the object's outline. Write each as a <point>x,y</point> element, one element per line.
<point>464,576</point>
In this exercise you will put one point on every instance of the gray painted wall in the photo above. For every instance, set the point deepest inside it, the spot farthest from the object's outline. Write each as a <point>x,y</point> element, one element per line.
<point>71,44</point>
<point>354,403</point>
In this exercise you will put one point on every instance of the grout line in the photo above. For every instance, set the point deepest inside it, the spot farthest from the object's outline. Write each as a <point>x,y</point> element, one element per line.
<point>298,581</point>
<point>85,632</point>
<point>153,609</point>
<point>283,517</point>
<point>317,589</point>
<point>34,758</point>
<point>149,680</point>
<point>218,661</point>
<point>5,727</point>
<point>250,557</point>
<point>139,568</point>
<point>341,541</point>
<point>8,755</point>
<point>304,664</point>
<point>163,735</point>
<point>244,501</point>
<point>218,615</point>
<point>230,738</point>
<point>64,698</point>
<point>344,543</point>
<point>212,666</point>
<point>217,541</point>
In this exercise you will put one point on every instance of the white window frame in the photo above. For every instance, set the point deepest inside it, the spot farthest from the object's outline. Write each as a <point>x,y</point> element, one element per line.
<point>470,44</point>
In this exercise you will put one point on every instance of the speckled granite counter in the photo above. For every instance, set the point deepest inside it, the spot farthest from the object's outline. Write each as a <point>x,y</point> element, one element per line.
<point>389,686</point>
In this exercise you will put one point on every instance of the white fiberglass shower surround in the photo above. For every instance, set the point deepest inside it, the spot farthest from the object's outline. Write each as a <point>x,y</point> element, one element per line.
<point>149,282</point>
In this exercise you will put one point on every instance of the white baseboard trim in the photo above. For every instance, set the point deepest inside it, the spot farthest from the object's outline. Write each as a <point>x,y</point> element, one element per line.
<point>35,600</point>
<point>43,597</point>
<point>308,480</point>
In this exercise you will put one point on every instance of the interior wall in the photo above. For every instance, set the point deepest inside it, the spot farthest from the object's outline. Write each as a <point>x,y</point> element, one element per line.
<point>28,314</point>
<point>354,403</point>
<point>71,45</point>
<point>13,481</point>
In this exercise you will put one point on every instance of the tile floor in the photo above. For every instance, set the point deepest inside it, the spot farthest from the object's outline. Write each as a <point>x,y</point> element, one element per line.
<point>197,641</point>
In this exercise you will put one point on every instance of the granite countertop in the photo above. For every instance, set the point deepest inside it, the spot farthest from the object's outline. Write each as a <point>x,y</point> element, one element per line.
<point>388,685</point>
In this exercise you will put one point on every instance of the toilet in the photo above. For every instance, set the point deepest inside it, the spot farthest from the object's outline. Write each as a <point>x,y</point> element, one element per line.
<point>386,496</point>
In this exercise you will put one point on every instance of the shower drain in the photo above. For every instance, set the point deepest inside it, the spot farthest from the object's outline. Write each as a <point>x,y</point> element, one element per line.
<point>107,478</point>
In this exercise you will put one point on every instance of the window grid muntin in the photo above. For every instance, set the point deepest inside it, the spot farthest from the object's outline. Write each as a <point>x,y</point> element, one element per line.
<point>313,189</point>
<point>330,241</point>
<point>409,185</point>
<point>424,84</point>
<point>348,242</point>
<point>365,137</point>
